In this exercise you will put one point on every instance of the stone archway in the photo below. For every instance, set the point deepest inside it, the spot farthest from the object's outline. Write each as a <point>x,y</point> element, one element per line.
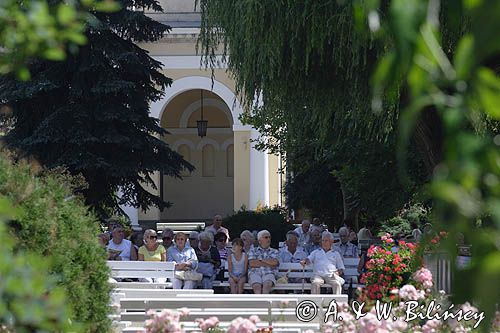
<point>210,188</point>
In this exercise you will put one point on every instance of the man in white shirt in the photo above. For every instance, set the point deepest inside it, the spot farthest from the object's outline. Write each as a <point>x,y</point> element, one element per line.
<point>303,232</point>
<point>327,266</point>
<point>120,248</point>
<point>217,226</point>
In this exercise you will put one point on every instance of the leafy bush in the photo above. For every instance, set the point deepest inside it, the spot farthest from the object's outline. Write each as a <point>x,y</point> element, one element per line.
<point>266,218</point>
<point>401,224</point>
<point>29,299</point>
<point>52,223</point>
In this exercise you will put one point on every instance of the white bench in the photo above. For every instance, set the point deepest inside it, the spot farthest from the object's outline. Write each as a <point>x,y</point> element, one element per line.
<point>155,293</point>
<point>185,227</point>
<point>295,271</point>
<point>141,269</point>
<point>270,308</point>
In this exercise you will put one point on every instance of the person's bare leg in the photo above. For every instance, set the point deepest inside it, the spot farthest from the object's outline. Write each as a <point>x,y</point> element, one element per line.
<point>233,286</point>
<point>267,287</point>
<point>257,288</point>
<point>241,285</point>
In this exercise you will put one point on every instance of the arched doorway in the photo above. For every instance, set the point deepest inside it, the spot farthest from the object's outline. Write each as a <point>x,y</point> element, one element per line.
<point>210,188</point>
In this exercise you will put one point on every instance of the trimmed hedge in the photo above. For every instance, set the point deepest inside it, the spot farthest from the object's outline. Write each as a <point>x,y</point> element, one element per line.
<point>52,223</point>
<point>270,219</point>
<point>29,298</point>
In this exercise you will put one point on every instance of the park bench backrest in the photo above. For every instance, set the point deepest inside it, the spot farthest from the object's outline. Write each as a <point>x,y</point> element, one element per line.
<point>142,269</point>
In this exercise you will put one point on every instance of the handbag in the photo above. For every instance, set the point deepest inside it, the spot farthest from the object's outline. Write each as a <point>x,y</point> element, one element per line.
<point>188,275</point>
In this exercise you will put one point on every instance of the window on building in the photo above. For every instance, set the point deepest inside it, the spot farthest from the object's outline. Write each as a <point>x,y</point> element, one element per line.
<point>186,154</point>
<point>208,161</point>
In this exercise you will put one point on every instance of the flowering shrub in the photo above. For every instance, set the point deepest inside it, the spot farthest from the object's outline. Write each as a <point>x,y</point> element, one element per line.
<point>387,269</point>
<point>167,321</point>
<point>397,319</point>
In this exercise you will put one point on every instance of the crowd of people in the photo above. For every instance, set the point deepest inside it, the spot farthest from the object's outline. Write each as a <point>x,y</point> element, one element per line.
<point>201,257</point>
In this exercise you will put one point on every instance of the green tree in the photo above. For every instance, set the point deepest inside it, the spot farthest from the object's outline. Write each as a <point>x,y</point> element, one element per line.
<point>31,301</point>
<point>312,69</point>
<point>439,63</point>
<point>462,85</point>
<point>89,113</point>
<point>39,28</point>
<point>50,223</point>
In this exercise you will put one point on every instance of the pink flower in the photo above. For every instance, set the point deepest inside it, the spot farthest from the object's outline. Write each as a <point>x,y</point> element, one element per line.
<point>184,312</point>
<point>369,324</point>
<point>409,292</point>
<point>432,326</point>
<point>254,319</point>
<point>241,325</point>
<point>423,276</point>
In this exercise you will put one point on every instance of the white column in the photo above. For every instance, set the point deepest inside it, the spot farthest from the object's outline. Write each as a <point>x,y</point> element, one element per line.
<point>132,213</point>
<point>259,175</point>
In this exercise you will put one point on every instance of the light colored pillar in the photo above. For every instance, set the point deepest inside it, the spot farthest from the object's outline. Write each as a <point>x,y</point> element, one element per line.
<point>132,213</point>
<point>153,213</point>
<point>241,166</point>
<point>259,175</point>
<point>274,180</point>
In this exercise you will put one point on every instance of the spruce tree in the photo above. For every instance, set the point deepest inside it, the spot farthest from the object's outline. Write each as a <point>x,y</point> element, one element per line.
<point>90,113</point>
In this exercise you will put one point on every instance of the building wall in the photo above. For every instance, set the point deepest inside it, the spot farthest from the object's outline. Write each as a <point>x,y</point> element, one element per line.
<point>255,178</point>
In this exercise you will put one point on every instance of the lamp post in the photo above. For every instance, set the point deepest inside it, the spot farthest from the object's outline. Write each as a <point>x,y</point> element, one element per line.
<point>202,124</point>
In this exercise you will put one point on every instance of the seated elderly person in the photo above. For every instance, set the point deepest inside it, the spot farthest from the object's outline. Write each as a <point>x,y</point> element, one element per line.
<point>303,232</point>
<point>152,251</point>
<point>248,240</point>
<point>317,223</point>
<point>194,238</point>
<point>263,263</point>
<point>344,247</point>
<point>103,239</point>
<point>290,253</point>
<point>327,266</point>
<point>137,239</point>
<point>217,227</point>
<point>208,259</point>
<point>120,248</point>
<point>315,241</point>
<point>168,238</point>
<point>186,260</point>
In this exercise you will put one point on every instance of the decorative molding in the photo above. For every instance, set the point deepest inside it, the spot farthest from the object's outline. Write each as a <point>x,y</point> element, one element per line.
<point>194,131</point>
<point>180,142</point>
<point>186,62</point>
<point>242,128</point>
<point>206,102</point>
<point>226,144</point>
<point>198,82</point>
<point>207,141</point>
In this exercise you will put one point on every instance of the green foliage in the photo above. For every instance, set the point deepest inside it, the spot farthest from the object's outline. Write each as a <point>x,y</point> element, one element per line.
<point>462,85</point>
<point>44,29</point>
<point>269,219</point>
<point>90,113</point>
<point>54,224</point>
<point>317,190</point>
<point>397,225</point>
<point>30,301</point>
<point>312,67</point>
